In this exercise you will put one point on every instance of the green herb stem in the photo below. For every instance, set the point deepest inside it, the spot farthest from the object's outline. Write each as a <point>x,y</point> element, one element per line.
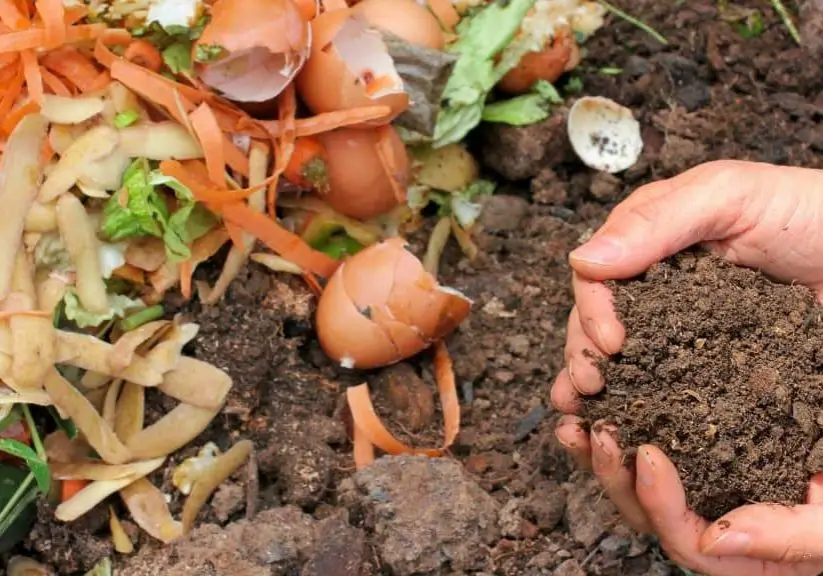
<point>13,501</point>
<point>35,435</point>
<point>635,21</point>
<point>781,10</point>
<point>144,316</point>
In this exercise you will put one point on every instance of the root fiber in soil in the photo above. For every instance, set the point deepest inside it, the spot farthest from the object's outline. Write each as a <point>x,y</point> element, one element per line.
<point>721,369</point>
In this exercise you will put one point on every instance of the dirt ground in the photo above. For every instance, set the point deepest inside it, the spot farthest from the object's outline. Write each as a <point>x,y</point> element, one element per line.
<point>507,501</point>
<point>721,369</point>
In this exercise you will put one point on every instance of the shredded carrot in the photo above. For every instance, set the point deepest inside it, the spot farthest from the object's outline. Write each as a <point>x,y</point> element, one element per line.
<point>280,240</point>
<point>284,145</point>
<point>313,283</point>
<point>72,66</point>
<point>52,13</point>
<point>34,80</point>
<point>378,84</point>
<point>74,14</point>
<point>143,53</point>
<point>34,38</point>
<point>308,153</point>
<point>328,121</point>
<point>210,136</point>
<point>368,423</point>
<point>329,5</point>
<point>12,93</point>
<point>186,273</point>
<point>53,83</point>
<point>47,153</point>
<point>11,16</point>
<point>69,488</point>
<point>12,119</point>
<point>6,314</point>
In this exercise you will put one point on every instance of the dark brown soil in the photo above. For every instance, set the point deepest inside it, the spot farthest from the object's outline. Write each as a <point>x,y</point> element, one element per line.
<point>709,94</point>
<point>723,369</point>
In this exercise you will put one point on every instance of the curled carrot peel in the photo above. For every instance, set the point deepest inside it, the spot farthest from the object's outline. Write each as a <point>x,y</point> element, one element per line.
<point>144,54</point>
<point>68,488</point>
<point>280,240</point>
<point>385,151</point>
<point>369,429</point>
<point>284,144</point>
<point>52,13</point>
<point>72,66</point>
<point>34,80</point>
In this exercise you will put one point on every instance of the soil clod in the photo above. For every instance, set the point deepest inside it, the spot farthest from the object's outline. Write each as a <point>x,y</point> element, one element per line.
<point>721,370</point>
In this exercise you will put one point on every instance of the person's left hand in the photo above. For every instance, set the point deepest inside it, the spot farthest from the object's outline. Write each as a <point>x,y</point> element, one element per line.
<point>754,540</point>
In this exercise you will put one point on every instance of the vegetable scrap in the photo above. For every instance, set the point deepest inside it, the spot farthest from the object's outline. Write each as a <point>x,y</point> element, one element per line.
<point>141,138</point>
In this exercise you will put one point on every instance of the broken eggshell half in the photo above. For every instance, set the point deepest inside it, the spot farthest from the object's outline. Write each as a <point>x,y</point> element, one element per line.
<point>604,134</point>
<point>252,49</point>
<point>350,67</point>
<point>381,307</point>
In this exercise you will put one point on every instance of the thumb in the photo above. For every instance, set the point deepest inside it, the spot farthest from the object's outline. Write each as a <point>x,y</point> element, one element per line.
<point>662,218</point>
<point>767,532</point>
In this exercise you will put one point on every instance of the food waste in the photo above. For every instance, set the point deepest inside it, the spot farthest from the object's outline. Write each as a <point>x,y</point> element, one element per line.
<point>139,138</point>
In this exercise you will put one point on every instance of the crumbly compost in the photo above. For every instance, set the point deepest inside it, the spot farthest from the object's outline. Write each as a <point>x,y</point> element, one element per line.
<point>721,368</point>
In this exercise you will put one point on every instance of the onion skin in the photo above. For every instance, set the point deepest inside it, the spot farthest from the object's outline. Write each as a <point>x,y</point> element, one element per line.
<point>405,19</point>
<point>556,58</point>
<point>358,184</point>
<point>381,307</point>
<point>325,84</point>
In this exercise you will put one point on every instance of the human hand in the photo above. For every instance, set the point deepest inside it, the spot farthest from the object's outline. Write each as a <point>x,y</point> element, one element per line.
<point>753,214</point>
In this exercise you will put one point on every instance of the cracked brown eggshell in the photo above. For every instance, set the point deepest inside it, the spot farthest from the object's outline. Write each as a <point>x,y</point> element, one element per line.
<point>381,307</point>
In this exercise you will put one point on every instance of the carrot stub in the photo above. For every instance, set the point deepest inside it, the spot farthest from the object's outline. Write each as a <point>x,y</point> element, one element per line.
<point>68,488</point>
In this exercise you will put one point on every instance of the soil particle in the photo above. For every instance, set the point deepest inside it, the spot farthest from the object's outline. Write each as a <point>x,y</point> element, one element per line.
<point>340,549</point>
<point>410,399</point>
<point>720,369</point>
<point>605,186</point>
<point>811,26</point>
<point>545,505</point>
<point>424,514</point>
<point>548,188</point>
<point>503,213</point>
<point>228,500</point>
<point>275,543</point>
<point>520,152</point>
<point>589,514</point>
<point>570,567</point>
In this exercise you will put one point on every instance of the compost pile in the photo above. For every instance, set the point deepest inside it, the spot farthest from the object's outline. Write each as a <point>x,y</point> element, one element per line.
<point>721,368</point>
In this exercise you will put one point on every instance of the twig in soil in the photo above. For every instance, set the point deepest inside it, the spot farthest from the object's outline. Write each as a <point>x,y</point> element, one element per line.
<point>252,486</point>
<point>636,22</point>
<point>787,20</point>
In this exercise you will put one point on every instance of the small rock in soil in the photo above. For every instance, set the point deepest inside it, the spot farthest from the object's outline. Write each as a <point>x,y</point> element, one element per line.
<point>589,514</point>
<point>545,505</point>
<point>520,152</point>
<point>423,514</point>
<point>548,188</point>
<point>339,548</point>
<point>503,213</point>
<point>570,567</point>
<point>811,26</point>
<point>410,398</point>
<point>605,186</point>
<point>716,361</point>
<point>511,518</point>
<point>276,543</point>
<point>229,499</point>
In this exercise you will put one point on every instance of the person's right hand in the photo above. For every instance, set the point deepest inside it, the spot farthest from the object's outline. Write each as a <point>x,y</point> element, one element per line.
<point>755,215</point>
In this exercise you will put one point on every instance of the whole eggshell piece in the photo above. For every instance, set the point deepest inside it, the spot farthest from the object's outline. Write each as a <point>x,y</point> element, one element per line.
<point>604,134</point>
<point>381,307</point>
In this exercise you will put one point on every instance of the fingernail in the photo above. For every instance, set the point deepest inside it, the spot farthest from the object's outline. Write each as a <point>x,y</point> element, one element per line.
<point>729,544</point>
<point>645,473</point>
<point>596,334</point>
<point>601,251</point>
<point>602,456</point>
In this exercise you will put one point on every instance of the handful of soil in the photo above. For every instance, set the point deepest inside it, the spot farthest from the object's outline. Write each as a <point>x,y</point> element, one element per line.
<point>723,370</point>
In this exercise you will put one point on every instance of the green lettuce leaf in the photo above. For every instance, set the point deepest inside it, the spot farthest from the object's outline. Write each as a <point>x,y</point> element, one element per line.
<point>139,209</point>
<point>119,305</point>
<point>519,111</point>
<point>483,36</point>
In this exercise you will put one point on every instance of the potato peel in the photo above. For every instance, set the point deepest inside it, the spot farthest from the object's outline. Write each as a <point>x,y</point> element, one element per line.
<point>370,430</point>
<point>149,509</point>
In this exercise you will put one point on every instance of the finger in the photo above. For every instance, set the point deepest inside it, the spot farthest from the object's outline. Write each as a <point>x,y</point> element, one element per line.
<point>617,480</point>
<point>595,305</point>
<point>564,397</point>
<point>768,532</point>
<point>575,440</point>
<point>662,497</point>
<point>704,203</point>
<point>815,494</point>
<point>581,357</point>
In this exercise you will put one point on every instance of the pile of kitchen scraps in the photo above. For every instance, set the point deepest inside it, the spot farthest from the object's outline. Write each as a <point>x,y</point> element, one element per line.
<point>140,137</point>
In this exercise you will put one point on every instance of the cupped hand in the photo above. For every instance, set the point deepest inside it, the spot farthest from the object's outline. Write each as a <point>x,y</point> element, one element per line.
<point>755,215</point>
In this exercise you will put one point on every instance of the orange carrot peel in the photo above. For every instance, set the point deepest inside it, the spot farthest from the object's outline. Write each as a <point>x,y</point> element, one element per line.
<point>369,432</point>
